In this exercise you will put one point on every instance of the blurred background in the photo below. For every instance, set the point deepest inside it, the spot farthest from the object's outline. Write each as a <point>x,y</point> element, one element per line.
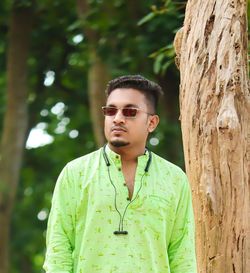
<point>70,50</point>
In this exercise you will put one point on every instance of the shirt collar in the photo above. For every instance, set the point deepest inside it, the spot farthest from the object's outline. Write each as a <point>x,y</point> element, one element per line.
<point>116,158</point>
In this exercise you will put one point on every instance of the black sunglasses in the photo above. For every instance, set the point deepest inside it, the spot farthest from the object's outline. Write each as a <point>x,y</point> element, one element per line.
<point>128,112</point>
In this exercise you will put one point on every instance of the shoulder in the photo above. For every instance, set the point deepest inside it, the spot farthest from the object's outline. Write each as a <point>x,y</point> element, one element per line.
<point>78,170</point>
<point>84,161</point>
<point>166,166</point>
<point>82,166</point>
<point>170,174</point>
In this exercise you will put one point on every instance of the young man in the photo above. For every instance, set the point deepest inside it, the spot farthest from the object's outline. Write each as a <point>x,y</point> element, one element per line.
<point>122,208</point>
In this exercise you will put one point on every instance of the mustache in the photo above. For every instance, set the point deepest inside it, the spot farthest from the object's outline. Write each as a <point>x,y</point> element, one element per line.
<point>120,127</point>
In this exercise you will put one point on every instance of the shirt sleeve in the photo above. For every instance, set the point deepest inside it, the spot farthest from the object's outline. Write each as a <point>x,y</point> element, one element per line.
<point>181,250</point>
<point>60,229</point>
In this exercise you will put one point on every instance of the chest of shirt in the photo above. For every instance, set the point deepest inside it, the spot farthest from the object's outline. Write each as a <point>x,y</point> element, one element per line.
<point>103,193</point>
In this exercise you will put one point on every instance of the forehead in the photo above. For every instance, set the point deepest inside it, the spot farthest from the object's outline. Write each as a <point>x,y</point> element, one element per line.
<point>121,97</point>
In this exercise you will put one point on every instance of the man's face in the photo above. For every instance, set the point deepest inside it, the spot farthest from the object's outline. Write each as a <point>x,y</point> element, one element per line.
<point>124,131</point>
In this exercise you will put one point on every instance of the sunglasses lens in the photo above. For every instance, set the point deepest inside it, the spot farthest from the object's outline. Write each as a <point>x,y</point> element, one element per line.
<point>112,111</point>
<point>109,111</point>
<point>129,112</point>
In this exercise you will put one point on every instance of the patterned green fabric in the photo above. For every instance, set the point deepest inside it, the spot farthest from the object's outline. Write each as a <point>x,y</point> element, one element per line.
<point>83,218</point>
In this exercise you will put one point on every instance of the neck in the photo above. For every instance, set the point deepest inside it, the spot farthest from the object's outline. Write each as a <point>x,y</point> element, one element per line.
<point>128,153</point>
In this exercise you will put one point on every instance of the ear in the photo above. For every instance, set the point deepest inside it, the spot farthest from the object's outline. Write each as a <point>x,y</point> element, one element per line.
<point>153,122</point>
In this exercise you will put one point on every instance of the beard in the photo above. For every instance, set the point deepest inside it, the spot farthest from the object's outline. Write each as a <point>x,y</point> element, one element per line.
<point>119,143</point>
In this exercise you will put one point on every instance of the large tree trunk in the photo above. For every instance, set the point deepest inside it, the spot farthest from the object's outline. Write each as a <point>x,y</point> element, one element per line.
<point>15,123</point>
<point>98,76</point>
<point>214,100</point>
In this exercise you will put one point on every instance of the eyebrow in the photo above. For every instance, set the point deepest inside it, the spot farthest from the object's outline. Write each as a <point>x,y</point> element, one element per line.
<point>130,105</point>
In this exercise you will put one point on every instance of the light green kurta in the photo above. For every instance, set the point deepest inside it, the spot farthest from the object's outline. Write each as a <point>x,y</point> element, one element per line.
<point>83,218</point>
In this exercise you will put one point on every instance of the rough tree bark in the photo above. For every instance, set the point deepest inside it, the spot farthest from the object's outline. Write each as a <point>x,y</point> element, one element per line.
<point>98,76</point>
<point>15,123</point>
<point>215,113</point>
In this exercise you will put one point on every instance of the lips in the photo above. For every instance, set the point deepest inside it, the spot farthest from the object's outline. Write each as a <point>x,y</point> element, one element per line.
<point>118,129</point>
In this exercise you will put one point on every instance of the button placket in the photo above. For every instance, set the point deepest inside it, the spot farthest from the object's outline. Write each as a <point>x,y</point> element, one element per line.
<point>121,185</point>
<point>139,184</point>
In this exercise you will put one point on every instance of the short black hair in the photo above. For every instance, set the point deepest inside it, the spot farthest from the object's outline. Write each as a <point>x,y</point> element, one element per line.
<point>151,90</point>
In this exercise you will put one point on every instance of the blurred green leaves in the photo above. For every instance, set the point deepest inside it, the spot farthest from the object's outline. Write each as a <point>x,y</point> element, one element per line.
<point>132,37</point>
<point>163,58</point>
<point>171,12</point>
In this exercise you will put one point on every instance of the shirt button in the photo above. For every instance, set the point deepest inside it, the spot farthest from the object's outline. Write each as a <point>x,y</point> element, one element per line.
<point>117,156</point>
<point>124,184</point>
<point>128,198</point>
<point>119,169</point>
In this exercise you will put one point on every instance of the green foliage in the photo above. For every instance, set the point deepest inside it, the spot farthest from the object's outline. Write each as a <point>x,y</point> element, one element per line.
<point>22,3</point>
<point>146,18</point>
<point>4,14</point>
<point>164,58</point>
<point>131,37</point>
<point>170,12</point>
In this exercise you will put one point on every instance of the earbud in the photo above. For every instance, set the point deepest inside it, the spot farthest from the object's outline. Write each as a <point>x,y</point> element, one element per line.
<point>148,162</point>
<point>106,157</point>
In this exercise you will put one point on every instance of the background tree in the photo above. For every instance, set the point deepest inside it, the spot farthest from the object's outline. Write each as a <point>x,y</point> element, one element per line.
<point>58,65</point>
<point>98,73</point>
<point>15,120</point>
<point>215,118</point>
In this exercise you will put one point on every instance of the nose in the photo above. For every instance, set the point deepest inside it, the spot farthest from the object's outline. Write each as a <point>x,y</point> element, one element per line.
<point>119,118</point>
